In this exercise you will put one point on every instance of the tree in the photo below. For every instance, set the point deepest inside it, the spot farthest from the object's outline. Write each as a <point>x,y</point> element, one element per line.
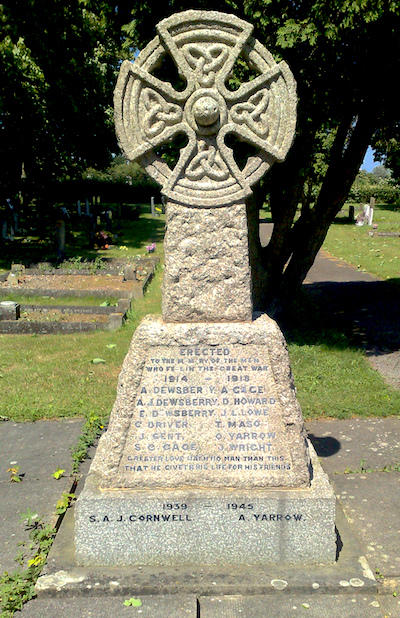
<point>58,65</point>
<point>345,95</point>
<point>380,172</point>
<point>387,148</point>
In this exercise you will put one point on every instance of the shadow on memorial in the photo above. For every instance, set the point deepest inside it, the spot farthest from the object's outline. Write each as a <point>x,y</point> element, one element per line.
<point>360,315</point>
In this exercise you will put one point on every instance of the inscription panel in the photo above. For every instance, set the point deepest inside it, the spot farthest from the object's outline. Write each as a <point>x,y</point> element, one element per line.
<point>206,412</point>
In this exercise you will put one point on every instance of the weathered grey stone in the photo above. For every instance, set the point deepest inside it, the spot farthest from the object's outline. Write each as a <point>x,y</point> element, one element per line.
<point>12,279</point>
<point>9,310</point>
<point>205,460</point>
<point>206,526</point>
<point>129,273</point>
<point>209,405</point>
<point>124,305</point>
<point>208,267</point>
<point>115,321</point>
<point>17,268</point>
<point>207,273</point>
<point>148,112</point>
<point>310,604</point>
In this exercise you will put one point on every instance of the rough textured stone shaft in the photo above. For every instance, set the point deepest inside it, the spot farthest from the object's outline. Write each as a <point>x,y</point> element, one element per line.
<point>207,272</point>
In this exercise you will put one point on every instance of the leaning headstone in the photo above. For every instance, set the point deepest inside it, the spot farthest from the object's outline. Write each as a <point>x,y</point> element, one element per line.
<point>12,279</point>
<point>206,460</point>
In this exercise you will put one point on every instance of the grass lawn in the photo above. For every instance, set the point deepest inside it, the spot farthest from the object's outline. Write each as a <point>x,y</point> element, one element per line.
<point>52,376</point>
<point>131,240</point>
<point>26,299</point>
<point>337,382</point>
<point>378,255</point>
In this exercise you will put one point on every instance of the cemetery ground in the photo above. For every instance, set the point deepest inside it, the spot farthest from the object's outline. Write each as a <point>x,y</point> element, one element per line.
<point>330,334</point>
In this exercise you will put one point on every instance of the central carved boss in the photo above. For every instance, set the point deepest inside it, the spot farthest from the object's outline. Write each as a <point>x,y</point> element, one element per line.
<point>149,112</point>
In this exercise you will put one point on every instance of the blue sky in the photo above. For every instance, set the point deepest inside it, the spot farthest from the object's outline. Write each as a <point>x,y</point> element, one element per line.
<point>369,163</point>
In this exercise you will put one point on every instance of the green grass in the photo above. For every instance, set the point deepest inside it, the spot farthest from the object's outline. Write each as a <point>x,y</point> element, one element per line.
<point>27,299</point>
<point>53,376</point>
<point>378,255</point>
<point>132,241</point>
<point>339,383</point>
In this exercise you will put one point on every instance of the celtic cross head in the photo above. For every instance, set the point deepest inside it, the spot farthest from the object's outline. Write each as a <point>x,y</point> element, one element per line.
<point>149,112</point>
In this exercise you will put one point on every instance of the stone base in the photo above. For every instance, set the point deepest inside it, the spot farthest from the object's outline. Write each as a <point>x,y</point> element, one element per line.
<point>206,526</point>
<point>205,406</point>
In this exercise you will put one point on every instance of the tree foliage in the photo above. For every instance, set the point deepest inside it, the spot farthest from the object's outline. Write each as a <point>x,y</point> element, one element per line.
<point>386,143</point>
<point>121,171</point>
<point>58,65</point>
<point>377,184</point>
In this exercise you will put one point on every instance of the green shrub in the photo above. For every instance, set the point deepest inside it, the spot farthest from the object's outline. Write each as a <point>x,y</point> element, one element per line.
<point>383,193</point>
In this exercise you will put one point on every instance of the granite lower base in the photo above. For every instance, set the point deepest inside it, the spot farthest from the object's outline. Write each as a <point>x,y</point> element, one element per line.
<point>206,526</point>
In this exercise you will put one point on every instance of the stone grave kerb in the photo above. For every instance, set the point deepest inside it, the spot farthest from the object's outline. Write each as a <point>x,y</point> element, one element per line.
<point>207,274</point>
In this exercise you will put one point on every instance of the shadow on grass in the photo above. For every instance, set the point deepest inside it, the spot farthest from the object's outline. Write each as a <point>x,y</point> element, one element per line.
<point>138,233</point>
<point>343,221</point>
<point>362,315</point>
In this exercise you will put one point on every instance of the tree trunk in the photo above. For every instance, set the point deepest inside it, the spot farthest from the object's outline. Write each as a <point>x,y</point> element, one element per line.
<point>282,266</point>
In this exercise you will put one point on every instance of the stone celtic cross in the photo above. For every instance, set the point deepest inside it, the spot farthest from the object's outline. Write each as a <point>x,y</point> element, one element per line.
<point>207,272</point>
<point>206,460</point>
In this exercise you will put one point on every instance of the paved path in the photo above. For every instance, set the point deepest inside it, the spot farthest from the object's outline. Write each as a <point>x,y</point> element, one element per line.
<point>326,268</point>
<point>365,308</point>
<point>368,494</point>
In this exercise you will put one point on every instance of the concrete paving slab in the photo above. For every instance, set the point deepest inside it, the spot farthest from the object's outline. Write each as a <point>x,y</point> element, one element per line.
<point>343,444</point>
<point>390,605</point>
<point>39,449</point>
<point>388,365</point>
<point>371,503</point>
<point>171,606</point>
<point>291,606</point>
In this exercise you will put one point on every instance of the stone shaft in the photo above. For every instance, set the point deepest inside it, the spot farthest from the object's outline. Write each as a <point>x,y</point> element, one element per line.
<point>207,272</point>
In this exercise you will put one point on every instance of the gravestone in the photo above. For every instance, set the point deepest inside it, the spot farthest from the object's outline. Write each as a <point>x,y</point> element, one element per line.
<point>9,310</point>
<point>206,460</point>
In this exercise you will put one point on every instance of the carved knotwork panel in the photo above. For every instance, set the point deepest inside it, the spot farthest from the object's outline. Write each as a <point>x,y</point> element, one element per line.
<point>149,112</point>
